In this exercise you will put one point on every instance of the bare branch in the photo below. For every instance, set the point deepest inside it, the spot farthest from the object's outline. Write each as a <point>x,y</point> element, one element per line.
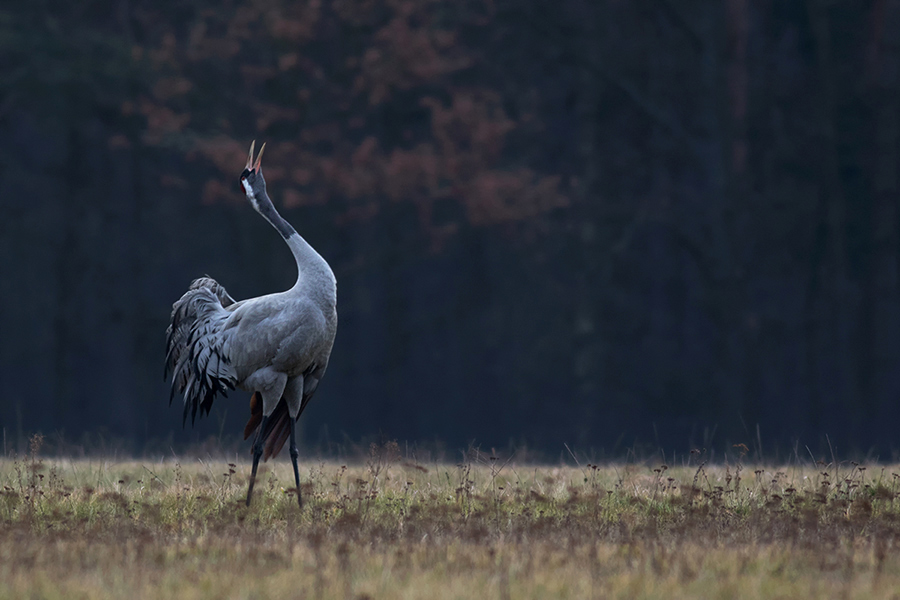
<point>652,110</point>
<point>681,23</point>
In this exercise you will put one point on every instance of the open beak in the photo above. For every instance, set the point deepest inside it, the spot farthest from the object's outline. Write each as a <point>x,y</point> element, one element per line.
<point>258,166</point>
<point>249,164</point>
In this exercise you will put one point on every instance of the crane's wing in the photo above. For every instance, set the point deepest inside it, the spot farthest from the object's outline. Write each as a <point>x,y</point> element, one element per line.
<point>195,353</point>
<point>217,288</point>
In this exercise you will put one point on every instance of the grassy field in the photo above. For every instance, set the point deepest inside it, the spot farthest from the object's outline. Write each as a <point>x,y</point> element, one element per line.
<point>390,527</point>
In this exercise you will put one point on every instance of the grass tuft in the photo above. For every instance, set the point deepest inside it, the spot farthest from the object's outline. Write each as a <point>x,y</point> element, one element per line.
<point>485,527</point>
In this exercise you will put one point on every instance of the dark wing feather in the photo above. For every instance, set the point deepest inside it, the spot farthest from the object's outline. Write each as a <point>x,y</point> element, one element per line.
<point>255,415</point>
<point>278,430</point>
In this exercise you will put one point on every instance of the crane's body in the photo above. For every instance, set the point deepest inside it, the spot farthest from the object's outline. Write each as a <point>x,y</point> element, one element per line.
<point>275,346</point>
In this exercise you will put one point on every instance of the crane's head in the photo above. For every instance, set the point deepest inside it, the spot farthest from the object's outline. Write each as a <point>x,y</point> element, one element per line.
<point>252,178</point>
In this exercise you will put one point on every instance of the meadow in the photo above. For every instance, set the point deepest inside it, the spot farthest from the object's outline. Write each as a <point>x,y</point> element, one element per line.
<point>389,526</point>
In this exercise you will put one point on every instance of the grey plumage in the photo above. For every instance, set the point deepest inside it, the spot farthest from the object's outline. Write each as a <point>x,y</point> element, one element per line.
<point>276,346</point>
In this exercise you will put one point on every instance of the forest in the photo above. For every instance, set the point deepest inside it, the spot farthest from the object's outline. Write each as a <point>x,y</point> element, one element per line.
<point>616,226</point>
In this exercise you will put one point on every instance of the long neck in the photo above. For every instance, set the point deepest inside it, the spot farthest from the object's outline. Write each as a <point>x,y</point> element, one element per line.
<point>314,275</point>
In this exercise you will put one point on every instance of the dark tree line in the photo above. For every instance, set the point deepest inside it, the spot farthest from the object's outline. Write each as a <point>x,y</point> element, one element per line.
<point>598,223</point>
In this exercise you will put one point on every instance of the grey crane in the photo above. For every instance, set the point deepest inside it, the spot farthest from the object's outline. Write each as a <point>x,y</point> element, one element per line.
<point>276,346</point>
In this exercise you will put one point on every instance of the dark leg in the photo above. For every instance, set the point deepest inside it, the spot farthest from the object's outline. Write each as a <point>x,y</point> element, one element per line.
<point>257,453</point>
<point>294,454</point>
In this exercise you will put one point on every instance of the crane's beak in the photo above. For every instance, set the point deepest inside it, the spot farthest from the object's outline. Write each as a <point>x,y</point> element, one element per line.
<point>258,166</point>
<point>249,164</point>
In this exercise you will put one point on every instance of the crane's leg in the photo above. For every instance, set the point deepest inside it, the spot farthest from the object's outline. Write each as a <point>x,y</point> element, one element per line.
<point>257,453</point>
<point>294,455</point>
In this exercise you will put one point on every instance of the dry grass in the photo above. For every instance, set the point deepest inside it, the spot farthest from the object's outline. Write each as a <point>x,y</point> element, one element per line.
<point>390,528</point>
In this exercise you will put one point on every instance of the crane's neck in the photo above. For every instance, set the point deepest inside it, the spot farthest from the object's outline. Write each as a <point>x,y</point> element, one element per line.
<point>314,276</point>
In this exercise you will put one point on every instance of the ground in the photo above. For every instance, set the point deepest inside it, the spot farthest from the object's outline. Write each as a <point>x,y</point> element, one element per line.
<point>392,527</point>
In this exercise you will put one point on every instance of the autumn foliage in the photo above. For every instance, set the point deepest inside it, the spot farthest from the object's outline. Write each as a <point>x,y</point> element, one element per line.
<point>361,103</point>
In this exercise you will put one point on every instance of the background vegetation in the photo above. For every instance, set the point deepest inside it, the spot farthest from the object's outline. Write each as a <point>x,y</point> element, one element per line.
<point>602,223</point>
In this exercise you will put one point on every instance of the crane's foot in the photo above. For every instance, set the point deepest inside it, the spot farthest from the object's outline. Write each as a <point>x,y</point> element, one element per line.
<point>257,454</point>
<point>294,455</point>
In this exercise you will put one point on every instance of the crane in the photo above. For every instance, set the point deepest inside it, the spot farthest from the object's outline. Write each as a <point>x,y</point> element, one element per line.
<point>275,346</point>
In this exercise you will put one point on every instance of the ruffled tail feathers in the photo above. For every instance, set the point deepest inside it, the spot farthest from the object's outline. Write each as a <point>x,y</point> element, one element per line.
<point>195,350</point>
